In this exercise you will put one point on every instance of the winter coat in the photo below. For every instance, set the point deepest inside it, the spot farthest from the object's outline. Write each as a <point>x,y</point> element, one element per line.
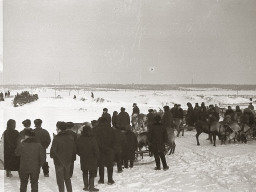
<point>190,117</point>
<point>131,146</point>
<point>88,150</point>
<point>123,119</point>
<point>43,137</point>
<point>179,113</point>
<point>32,155</point>
<point>150,120</point>
<point>136,110</point>
<point>11,161</point>
<point>229,112</point>
<point>120,141</point>
<point>167,119</point>
<point>115,121</point>
<point>106,140</point>
<point>21,136</point>
<point>251,107</point>
<point>107,116</point>
<point>158,138</point>
<point>63,150</point>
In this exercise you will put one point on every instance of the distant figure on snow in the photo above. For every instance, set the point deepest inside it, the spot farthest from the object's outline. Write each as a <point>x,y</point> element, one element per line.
<point>92,95</point>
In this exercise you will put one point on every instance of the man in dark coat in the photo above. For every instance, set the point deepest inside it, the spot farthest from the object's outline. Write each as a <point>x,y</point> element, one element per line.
<point>10,136</point>
<point>150,119</point>
<point>88,150</point>
<point>106,141</point>
<point>135,109</point>
<point>250,106</point>
<point>174,109</point>
<point>197,112</point>
<point>32,157</point>
<point>74,135</point>
<point>158,139</point>
<point>106,115</point>
<point>229,112</point>
<point>118,148</point>
<point>115,119</point>
<point>190,120</point>
<point>63,152</point>
<point>123,119</point>
<point>130,148</point>
<point>26,123</point>
<point>167,122</point>
<point>42,137</point>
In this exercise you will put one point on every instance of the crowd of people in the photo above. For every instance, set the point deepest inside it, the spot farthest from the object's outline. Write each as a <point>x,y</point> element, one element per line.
<point>98,147</point>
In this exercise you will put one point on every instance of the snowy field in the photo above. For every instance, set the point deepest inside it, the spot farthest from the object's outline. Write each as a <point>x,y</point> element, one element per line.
<point>229,167</point>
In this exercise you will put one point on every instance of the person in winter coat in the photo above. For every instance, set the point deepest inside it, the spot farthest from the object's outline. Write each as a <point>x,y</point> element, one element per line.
<point>135,109</point>
<point>74,135</point>
<point>158,139</point>
<point>190,115</point>
<point>42,137</point>
<point>63,152</point>
<point>106,141</point>
<point>238,114</point>
<point>229,112</point>
<point>167,122</point>
<point>26,123</point>
<point>106,115</point>
<point>32,157</point>
<point>250,106</point>
<point>10,136</point>
<point>197,112</point>
<point>130,148</point>
<point>88,150</point>
<point>115,119</point>
<point>118,148</point>
<point>150,119</point>
<point>123,119</point>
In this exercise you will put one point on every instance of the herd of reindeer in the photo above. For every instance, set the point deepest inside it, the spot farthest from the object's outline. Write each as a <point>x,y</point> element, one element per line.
<point>225,130</point>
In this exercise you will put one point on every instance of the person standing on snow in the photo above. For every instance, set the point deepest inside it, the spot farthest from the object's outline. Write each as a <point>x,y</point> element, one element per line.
<point>167,122</point>
<point>88,150</point>
<point>10,136</point>
<point>42,137</point>
<point>158,139</point>
<point>106,115</point>
<point>63,152</point>
<point>26,123</point>
<point>135,109</point>
<point>123,119</point>
<point>32,157</point>
<point>106,141</point>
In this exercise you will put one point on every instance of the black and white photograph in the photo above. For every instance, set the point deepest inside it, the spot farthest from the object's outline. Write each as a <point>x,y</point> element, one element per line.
<point>128,95</point>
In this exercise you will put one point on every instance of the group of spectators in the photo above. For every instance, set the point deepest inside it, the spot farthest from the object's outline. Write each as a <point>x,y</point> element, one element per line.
<point>6,94</point>
<point>98,147</point>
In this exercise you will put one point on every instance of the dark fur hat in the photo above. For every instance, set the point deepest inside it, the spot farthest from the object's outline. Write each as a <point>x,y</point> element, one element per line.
<point>38,121</point>
<point>26,123</point>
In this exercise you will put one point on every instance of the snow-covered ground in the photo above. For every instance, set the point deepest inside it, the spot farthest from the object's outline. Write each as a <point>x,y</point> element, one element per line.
<point>229,167</point>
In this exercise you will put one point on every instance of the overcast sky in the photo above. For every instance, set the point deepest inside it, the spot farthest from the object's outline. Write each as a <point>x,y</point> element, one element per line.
<point>129,41</point>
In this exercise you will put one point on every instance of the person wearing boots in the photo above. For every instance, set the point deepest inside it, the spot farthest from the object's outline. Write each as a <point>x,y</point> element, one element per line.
<point>32,157</point>
<point>10,136</point>
<point>158,139</point>
<point>63,152</point>
<point>42,137</point>
<point>118,148</point>
<point>88,150</point>
<point>131,147</point>
<point>106,140</point>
